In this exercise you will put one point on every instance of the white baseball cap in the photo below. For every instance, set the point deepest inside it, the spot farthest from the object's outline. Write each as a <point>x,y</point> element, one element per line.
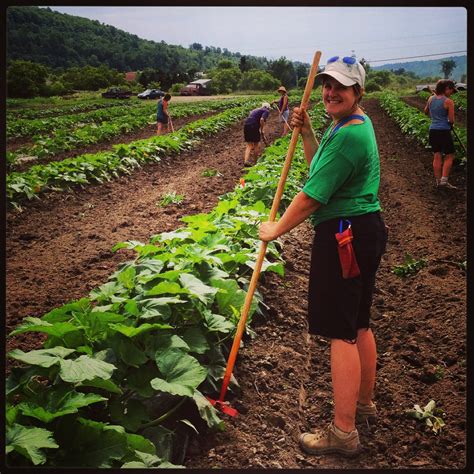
<point>266,105</point>
<point>347,70</point>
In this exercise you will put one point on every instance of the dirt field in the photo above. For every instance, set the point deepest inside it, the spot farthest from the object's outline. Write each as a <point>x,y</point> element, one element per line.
<point>59,249</point>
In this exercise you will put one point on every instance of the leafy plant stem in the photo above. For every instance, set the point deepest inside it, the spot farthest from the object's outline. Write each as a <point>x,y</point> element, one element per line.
<point>163,417</point>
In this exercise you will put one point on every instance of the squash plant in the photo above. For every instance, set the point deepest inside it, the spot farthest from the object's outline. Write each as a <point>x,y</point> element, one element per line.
<point>117,368</point>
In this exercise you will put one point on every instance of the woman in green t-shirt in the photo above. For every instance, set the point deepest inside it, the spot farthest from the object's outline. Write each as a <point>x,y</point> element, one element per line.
<point>340,193</point>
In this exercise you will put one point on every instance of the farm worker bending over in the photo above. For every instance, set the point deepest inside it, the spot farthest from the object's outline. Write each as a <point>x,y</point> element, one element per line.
<point>341,195</point>
<point>162,116</point>
<point>440,108</point>
<point>253,129</point>
<point>283,109</point>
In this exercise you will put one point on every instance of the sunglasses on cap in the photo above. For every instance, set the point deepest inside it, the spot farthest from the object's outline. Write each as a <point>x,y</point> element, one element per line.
<point>345,59</point>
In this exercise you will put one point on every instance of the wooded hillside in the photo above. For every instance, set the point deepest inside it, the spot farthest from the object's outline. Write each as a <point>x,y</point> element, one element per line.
<point>58,40</point>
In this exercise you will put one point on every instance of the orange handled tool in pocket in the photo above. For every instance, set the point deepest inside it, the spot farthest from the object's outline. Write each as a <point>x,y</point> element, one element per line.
<point>347,257</point>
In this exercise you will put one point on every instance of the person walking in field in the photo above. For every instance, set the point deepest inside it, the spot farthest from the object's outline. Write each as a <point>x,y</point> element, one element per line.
<point>162,115</point>
<point>350,239</point>
<point>283,109</point>
<point>254,131</point>
<point>440,108</point>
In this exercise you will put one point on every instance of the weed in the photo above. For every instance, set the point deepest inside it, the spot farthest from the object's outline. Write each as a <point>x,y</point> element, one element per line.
<point>439,372</point>
<point>410,266</point>
<point>210,172</point>
<point>429,415</point>
<point>171,198</point>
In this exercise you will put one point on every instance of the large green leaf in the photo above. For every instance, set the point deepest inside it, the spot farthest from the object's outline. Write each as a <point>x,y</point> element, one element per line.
<point>127,277</point>
<point>131,331</point>
<point>58,329</point>
<point>169,236</point>
<point>166,287</point>
<point>196,340</point>
<point>181,373</point>
<point>29,441</point>
<point>96,444</point>
<point>84,368</point>
<point>42,357</point>
<point>217,323</point>
<point>64,313</point>
<point>207,411</point>
<point>232,296</point>
<point>130,414</point>
<point>197,288</point>
<point>163,342</point>
<point>106,385</point>
<point>139,379</point>
<point>157,307</point>
<point>130,353</point>
<point>56,402</point>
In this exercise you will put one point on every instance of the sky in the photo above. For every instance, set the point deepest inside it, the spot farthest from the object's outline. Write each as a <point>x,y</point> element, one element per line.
<point>380,35</point>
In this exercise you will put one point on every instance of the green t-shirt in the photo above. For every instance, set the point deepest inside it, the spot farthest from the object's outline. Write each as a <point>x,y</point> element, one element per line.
<point>344,174</point>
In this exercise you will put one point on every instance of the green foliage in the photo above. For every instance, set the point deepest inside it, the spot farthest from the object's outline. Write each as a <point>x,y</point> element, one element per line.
<point>171,198</point>
<point>225,80</point>
<point>209,173</point>
<point>409,267</point>
<point>226,64</point>
<point>26,79</point>
<point>63,41</point>
<point>117,364</point>
<point>284,71</point>
<point>372,86</point>
<point>258,80</point>
<point>447,67</point>
<point>92,78</point>
<point>381,78</point>
<point>104,166</point>
<point>429,414</point>
<point>175,88</point>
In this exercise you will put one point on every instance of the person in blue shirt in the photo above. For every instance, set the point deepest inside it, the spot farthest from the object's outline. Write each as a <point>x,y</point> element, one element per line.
<point>253,130</point>
<point>162,115</point>
<point>440,109</point>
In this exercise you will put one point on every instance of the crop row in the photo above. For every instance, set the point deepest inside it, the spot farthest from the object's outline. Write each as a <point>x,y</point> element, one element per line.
<point>415,123</point>
<point>27,128</point>
<point>459,99</point>
<point>119,368</point>
<point>28,109</point>
<point>65,139</point>
<point>124,158</point>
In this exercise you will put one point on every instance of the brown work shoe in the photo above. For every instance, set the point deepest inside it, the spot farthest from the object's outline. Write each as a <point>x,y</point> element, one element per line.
<point>366,413</point>
<point>328,441</point>
<point>446,185</point>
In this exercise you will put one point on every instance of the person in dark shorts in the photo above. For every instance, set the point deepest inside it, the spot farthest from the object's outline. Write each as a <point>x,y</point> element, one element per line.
<point>341,196</point>
<point>162,116</point>
<point>253,130</point>
<point>440,108</point>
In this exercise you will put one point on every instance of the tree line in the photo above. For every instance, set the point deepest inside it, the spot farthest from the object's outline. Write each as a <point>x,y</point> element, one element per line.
<point>62,48</point>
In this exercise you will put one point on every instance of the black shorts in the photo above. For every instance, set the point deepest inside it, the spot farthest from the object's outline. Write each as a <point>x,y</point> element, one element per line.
<point>441,141</point>
<point>252,133</point>
<point>162,119</point>
<point>338,307</point>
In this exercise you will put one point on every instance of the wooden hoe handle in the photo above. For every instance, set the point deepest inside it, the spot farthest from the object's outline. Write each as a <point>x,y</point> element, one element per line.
<point>263,245</point>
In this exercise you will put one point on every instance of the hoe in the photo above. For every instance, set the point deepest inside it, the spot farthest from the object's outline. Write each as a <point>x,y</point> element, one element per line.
<point>220,403</point>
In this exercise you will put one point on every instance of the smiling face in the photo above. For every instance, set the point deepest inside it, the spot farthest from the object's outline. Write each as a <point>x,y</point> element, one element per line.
<point>339,101</point>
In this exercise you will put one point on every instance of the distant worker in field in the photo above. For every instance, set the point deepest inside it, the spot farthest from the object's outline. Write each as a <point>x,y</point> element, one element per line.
<point>440,108</point>
<point>162,115</point>
<point>283,109</point>
<point>254,131</point>
<point>341,195</point>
